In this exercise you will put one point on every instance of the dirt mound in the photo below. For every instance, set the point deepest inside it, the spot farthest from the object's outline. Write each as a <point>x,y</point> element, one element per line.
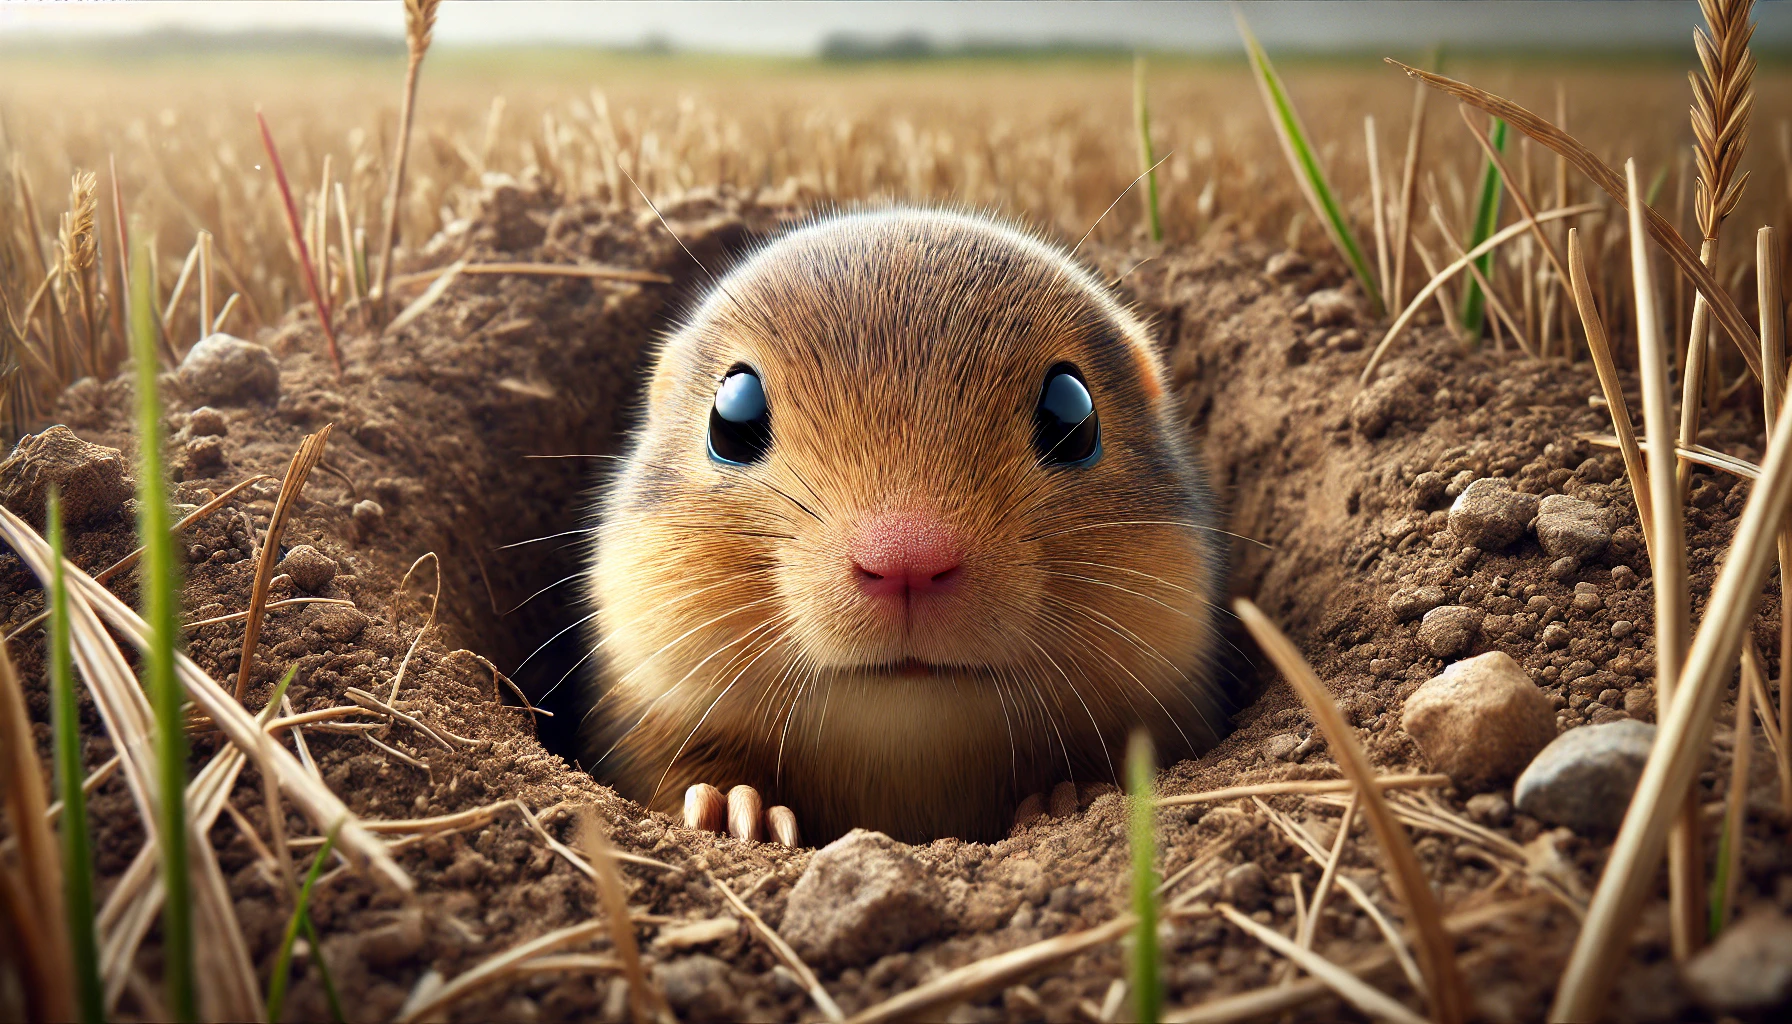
<point>472,429</point>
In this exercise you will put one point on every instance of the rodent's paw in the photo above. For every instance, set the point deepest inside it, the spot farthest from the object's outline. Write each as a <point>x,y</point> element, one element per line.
<point>1065,800</point>
<point>742,814</point>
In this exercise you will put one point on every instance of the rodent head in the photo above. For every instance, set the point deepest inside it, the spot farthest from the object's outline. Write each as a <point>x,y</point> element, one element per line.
<point>923,467</point>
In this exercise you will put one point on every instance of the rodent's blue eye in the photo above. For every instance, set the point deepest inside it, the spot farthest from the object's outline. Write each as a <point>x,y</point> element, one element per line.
<point>740,424</point>
<point>1066,430</point>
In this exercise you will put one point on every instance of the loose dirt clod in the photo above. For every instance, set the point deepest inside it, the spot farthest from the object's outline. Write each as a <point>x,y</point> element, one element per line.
<point>230,371</point>
<point>1491,515</point>
<point>91,477</point>
<point>1748,968</point>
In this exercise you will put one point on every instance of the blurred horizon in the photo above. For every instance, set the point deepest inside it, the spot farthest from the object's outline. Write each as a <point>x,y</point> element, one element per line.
<point>897,29</point>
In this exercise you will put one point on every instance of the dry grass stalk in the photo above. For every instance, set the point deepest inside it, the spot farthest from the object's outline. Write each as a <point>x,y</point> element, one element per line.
<point>1377,208</point>
<point>419,22</point>
<point>1769,274</point>
<point>31,897</point>
<point>786,956</point>
<point>89,604</point>
<point>310,450</point>
<point>1754,675</point>
<point>1354,990</point>
<point>1599,344</point>
<point>492,970</point>
<point>596,273</point>
<point>1681,739</point>
<point>435,600</point>
<point>1667,558</point>
<point>1305,934</point>
<point>645,1002</point>
<point>986,975</point>
<point>1303,786</point>
<point>205,284</point>
<point>1695,453</point>
<point>1517,191</point>
<point>1444,990</point>
<point>1729,868</point>
<point>318,298</point>
<point>1409,176</point>
<point>430,297</point>
<point>1487,294</point>
<point>1722,100</point>
<point>1439,279</point>
<point>1723,306</point>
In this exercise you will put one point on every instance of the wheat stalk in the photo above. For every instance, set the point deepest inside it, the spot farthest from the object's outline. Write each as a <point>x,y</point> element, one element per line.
<point>78,247</point>
<point>419,22</point>
<point>1722,100</point>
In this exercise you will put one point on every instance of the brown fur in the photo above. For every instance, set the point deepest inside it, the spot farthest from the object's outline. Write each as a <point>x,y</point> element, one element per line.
<point>902,353</point>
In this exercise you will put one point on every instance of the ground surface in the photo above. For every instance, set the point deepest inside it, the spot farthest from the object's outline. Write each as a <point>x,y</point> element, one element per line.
<point>436,424</point>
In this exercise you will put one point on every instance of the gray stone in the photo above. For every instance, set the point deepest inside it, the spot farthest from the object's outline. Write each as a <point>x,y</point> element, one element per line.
<point>1584,779</point>
<point>1480,720</point>
<point>1491,515</point>
<point>1409,603</point>
<point>1572,528</point>
<point>229,371</point>
<point>310,569</point>
<point>91,477</point>
<point>863,896</point>
<point>1748,968</point>
<point>1449,631</point>
<point>1245,886</point>
<point>698,988</point>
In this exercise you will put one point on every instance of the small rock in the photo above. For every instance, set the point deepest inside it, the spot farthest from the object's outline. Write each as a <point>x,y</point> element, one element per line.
<point>1491,515</point>
<point>1586,597</point>
<point>1639,703</point>
<point>1584,779</point>
<point>1556,636</point>
<point>1748,968</point>
<point>1449,631</point>
<point>1281,746</point>
<point>202,454</point>
<point>1490,809</point>
<point>1286,264</point>
<point>1563,569</point>
<point>339,623</point>
<point>1395,398</point>
<point>367,514</point>
<point>1572,528</point>
<point>230,371</point>
<point>1331,306</point>
<point>1621,628</point>
<point>1623,577</point>
<point>863,896</point>
<point>206,421</point>
<point>91,477</point>
<point>1428,489</point>
<point>1480,721</point>
<point>310,568</point>
<point>1348,340</point>
<point>1411,602</point>
<point>1244,886</point>
<point>1459,483</point>
<point>394,943</point>
<point>698,988</point>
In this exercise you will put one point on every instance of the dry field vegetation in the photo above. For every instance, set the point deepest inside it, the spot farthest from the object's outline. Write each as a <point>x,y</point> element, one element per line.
<point>163,156</point>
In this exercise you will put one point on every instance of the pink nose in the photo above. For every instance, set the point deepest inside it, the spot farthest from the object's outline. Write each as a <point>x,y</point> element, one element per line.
<point>905,552</point>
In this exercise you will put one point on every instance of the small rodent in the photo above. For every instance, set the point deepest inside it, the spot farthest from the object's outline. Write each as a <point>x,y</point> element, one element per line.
<point>912,530</point>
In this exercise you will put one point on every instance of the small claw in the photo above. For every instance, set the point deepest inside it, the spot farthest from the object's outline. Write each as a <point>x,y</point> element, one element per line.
<point>1029,810</point>
<point>1063,800</point>
<point>746,819</point>
<point>704,808</point>
<point>783,823</point>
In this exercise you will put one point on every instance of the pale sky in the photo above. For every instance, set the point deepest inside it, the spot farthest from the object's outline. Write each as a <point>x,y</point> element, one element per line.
<point>792,28</point>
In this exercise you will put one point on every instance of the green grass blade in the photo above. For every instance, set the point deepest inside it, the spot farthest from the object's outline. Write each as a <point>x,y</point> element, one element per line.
<point>160,596</point>
<point>323,969</point>
<point>1147,156</point>
<point>1307,172</point>
<point>300,918</point>
<point>77,858</point>
<point>1147,989</point>
<point>1720,883</point>
<point>1487,221</point>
